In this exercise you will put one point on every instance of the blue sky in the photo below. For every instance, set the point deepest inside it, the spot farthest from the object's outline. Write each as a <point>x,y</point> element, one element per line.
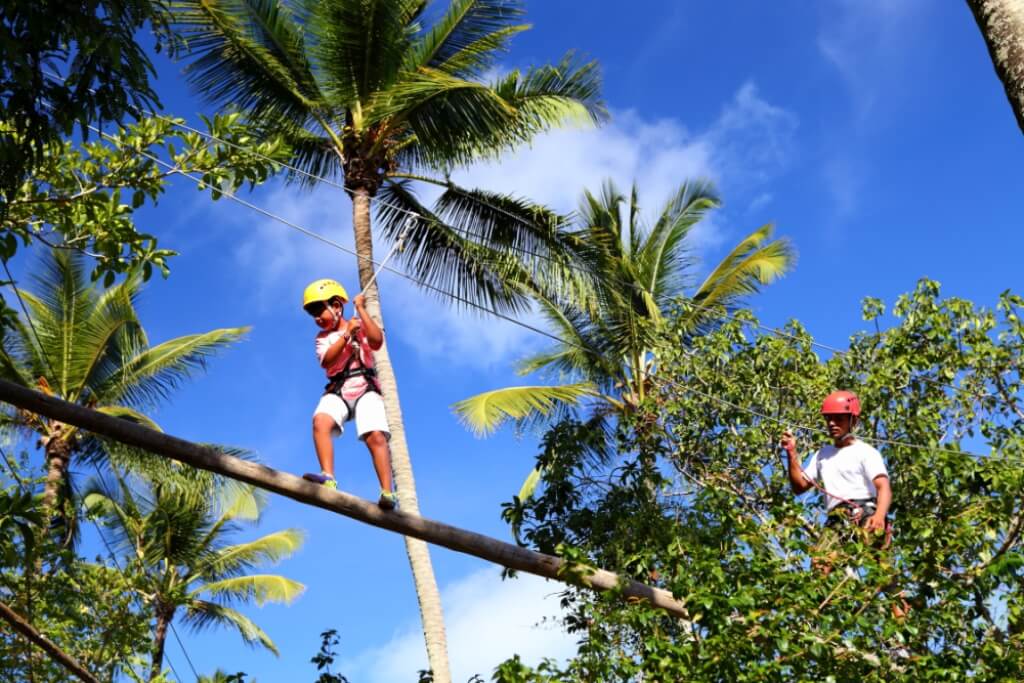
<point>873,133</point>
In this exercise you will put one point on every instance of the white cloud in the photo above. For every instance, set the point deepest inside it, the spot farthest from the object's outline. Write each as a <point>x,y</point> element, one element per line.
<point>487,620</point>
<point>744,147</point>
<point>867,42</point>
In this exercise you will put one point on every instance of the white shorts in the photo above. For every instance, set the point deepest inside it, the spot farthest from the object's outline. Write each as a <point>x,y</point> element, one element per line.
<point>370,415</point>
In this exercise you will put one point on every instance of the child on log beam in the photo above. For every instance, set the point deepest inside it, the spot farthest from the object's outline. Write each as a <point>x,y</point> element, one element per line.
<point>345,351</point>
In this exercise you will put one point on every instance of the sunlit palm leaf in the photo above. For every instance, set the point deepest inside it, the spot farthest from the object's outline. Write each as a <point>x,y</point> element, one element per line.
<point>258,588</point>
<point>754,262</point>
<point>485,412</point>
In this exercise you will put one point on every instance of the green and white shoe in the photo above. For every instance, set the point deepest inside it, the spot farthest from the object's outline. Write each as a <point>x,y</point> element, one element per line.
<point>323,479</point>
<point>388,500</point>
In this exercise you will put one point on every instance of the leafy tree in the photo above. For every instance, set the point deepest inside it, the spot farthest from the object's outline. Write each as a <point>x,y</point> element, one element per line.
<point>364,90</point>
<point>611,327</point>
<point>87,345</point>
<point>177,548</point>
<point>84,196</point>
<point>85,607</point>
<point>699,504</point>
<point>94,45</point>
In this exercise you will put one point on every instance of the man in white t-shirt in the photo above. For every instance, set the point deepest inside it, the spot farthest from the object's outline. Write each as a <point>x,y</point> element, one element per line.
<point>851,472</point>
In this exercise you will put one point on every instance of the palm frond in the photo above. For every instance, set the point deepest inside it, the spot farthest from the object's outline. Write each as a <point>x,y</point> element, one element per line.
<point>251,54</point>
<point>467,39</point>
<point>485,412</point>
<point>233,559</point>
<point>201,614</point>
<point>757,260</point>
<point>258,588</point>
<point>445,258</point>
<point>360,47</point>
<point>662,257</point>
<point>553,95</point>
<point>152,374</point>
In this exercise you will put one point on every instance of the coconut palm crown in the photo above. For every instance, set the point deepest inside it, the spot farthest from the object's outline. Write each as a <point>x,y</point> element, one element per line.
<point>366,91</point>
<point>181,562</point>
<point>636,273</point>
<point>85,344</point>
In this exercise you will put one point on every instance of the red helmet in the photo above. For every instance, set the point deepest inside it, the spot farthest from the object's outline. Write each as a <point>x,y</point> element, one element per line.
<point>841,403</point>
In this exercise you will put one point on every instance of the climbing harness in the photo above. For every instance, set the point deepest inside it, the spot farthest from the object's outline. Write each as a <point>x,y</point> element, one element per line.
<point>336,382</point>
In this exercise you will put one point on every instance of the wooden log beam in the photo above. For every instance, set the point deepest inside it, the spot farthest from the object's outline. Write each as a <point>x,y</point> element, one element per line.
<point>45,644</point>
<point>438,533</point>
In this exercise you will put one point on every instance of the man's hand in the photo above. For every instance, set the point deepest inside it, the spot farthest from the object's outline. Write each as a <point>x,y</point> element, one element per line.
<point>788,442</point>
<point>875,523</point>
<point>353,325</point>
<point>359,301</point>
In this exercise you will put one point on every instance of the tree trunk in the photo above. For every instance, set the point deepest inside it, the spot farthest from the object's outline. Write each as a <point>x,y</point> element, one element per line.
<point>1002,25</point>
<point>431,613</point>
<point>58,455</point>
<point>163,620</point>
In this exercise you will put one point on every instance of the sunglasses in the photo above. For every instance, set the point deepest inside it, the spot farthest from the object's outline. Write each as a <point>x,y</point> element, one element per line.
<point>315,308</point>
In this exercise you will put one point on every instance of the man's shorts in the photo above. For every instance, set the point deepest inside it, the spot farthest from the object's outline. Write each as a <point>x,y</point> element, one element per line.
<point>370,415</point>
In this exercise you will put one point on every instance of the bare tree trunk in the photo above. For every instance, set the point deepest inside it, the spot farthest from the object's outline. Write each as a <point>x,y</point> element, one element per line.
<point>431,613</point>
<point>1002,25</point>
<point>163,620</point>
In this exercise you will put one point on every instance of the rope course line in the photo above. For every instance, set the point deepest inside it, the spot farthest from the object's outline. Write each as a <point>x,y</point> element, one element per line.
<point>341,247</point>
<point>514,321</point>
<point>413,214</point>
<point>456,297</point>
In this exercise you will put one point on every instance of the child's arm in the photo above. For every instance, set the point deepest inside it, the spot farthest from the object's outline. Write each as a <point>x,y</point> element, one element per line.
<point>374,335</point>
<point>339,347</point>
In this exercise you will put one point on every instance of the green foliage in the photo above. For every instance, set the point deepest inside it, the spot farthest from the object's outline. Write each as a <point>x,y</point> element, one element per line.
<point>94,45</point>
<point>86,344</point>
<point>610,311</point>
<point>697,501</point>
<point>18,516</point>
<point>610,326</point>
<point>88,609</point>
<point>84,196</point>
<point>324,659</point>
<point>369,93</point>
<point>175,546</point>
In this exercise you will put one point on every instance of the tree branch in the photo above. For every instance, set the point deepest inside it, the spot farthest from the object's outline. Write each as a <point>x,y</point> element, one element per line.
<point>45,644</point>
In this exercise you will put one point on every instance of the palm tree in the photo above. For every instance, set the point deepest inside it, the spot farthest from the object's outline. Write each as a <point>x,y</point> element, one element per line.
<point>86,345</point>
<point>365,91</point>
<point>609,330</point>
<point>1001,23</point>
<point>180,559</point>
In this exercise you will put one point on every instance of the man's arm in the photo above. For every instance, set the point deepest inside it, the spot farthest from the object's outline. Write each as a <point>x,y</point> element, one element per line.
<point>876,522</point>
<point>797,479</point>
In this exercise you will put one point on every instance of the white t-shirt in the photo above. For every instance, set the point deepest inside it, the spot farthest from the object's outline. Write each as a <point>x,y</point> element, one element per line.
<point>848,472</point>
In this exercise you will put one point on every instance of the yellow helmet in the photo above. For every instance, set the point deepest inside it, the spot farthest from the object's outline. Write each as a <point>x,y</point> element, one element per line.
<point>323,290</point>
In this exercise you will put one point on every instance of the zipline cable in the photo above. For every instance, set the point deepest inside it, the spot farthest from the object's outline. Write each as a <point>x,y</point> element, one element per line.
<point>508,318</point>
<point>413,214</point>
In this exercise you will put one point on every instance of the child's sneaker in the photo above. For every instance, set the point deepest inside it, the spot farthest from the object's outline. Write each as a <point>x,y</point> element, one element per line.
<point>388,500</point>
<point>322,479</point>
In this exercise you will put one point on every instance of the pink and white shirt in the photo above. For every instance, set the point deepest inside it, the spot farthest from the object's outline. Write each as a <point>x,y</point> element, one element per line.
<point>354,387</point>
